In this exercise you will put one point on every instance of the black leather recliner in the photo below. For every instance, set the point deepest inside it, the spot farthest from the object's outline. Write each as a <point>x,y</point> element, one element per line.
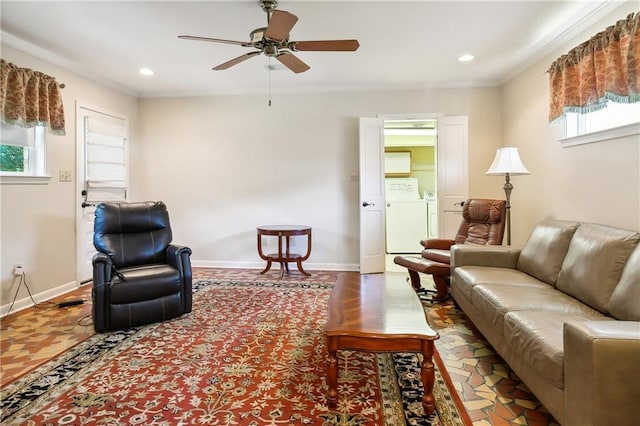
<point>138,276</point>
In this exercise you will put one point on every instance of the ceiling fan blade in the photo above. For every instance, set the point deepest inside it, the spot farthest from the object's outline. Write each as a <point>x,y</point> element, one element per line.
<point>236,61</point>
<point>280,25</point>
<point>216,40</point>
<point>290,61</point>
<point>325,45</point>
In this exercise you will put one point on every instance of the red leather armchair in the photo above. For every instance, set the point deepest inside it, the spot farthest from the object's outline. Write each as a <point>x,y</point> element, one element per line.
<point>483,223</point>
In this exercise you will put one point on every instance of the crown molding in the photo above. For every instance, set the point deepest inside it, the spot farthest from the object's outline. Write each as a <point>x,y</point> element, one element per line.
<point>40,53</point>
<point>592,13</point>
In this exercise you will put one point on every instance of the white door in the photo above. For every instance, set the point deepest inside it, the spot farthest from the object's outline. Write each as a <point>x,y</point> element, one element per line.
<point>452,172</point>
<point>372,224</point>
<point>101,174</point>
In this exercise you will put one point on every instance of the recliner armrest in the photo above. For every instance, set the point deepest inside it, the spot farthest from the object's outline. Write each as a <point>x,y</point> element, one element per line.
<point>494,256</point>
<point>601,372</point>
<point>102,273</point>
<point>437,243</point>
<point>180,258</point>
<point>102,268</point>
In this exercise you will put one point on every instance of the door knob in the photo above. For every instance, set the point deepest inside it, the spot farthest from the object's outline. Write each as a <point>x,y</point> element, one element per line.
<point>365,204</point>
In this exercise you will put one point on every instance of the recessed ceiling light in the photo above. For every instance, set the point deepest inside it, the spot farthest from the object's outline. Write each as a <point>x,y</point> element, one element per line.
<point>146,71</point>
<point>466,58</point>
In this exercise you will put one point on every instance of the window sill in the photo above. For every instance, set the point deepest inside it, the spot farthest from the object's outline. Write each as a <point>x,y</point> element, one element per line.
<point>603,135</point>
<point>24,180</point>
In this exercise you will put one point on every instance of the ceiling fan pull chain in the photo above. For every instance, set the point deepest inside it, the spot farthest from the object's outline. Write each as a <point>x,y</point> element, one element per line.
<point>269,67</point>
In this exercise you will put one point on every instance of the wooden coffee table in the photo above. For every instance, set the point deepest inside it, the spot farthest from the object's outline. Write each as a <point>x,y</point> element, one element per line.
<point>378,313</point>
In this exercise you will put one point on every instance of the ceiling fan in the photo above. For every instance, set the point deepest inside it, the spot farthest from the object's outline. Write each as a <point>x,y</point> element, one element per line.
<point>273,41</point>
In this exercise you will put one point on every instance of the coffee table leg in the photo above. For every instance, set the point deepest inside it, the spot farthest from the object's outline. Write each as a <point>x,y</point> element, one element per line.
<point>428,377</point>
<point>332,372</point>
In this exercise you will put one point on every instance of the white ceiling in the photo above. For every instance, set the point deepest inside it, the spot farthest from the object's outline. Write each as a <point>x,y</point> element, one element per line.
<point>413,44</point>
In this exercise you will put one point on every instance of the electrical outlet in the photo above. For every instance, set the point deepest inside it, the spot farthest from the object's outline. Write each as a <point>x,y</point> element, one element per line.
<point>17,270</point>
<point>64,176</point>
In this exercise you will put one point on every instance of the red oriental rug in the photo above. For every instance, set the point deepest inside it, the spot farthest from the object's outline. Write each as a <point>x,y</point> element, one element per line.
<point>250,353</point>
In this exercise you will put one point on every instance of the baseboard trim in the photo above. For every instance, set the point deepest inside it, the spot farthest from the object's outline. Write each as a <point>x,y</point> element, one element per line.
<point>350,267</point>
<point>25,302</point>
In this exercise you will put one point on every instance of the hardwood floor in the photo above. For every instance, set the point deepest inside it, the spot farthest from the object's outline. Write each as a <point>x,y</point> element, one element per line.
<point>491,393</point>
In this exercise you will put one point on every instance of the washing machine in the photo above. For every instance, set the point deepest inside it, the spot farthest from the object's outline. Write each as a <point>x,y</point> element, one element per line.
<point>406,216</point>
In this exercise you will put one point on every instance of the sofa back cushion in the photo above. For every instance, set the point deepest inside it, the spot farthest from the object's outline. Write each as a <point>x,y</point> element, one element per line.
<point>594,263</point>
<point>625,300</point>
<point>544,251</point>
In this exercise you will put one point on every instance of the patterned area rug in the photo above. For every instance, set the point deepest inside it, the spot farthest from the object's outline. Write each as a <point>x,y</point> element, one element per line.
<point>250,353</point>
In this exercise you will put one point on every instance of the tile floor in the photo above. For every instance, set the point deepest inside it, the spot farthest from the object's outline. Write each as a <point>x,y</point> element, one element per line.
<point>491,393</point>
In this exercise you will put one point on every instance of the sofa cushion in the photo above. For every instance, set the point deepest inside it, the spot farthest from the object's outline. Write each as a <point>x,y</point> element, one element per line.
<point>496,300</point>
<point>467,277</point>
<point>625,300</point>
<point>594,262</point>
<point>538,337</point>
<point>545,249</point>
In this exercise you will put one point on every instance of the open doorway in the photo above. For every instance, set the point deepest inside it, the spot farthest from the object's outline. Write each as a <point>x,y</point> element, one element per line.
<point>451,187</point>
<point>411,211</point>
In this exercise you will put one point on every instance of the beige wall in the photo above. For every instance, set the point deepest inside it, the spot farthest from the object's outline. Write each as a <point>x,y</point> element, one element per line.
<point>38,221</point>
<point>225,165</point>
<point>597,182</point>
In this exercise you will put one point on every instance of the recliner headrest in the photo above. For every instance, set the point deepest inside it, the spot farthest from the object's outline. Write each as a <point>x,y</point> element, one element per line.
<point>132,233</point>
<point>483,210</point>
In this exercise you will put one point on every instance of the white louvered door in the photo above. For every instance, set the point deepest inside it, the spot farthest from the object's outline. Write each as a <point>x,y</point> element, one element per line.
<point>102,174</point>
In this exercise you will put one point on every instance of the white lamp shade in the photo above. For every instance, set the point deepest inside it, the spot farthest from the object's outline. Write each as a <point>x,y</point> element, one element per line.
<point>507,161</point>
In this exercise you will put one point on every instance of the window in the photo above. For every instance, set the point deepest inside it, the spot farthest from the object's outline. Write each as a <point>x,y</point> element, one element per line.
<point>22,153</point>
<point>615,120</point>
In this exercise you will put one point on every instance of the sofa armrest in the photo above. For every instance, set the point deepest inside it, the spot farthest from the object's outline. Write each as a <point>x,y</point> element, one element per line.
<point>601,373</point>
<point>495,256</point>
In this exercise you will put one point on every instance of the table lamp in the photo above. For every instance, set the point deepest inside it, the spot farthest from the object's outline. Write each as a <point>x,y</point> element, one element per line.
<point>507,163</point>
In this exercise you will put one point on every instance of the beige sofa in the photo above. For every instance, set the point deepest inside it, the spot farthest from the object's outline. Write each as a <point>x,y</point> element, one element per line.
<point>564,313</point>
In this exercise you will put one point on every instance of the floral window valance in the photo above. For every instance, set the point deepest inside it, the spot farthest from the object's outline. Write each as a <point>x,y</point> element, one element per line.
<point>30,98</point>
<point>606,67</point>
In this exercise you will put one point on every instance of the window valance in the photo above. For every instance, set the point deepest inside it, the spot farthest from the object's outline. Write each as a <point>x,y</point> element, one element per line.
<point>606,67</point>
<point>30,98</point>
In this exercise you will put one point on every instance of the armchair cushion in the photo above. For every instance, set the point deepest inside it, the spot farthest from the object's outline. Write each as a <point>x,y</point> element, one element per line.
<point>144,283</point>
